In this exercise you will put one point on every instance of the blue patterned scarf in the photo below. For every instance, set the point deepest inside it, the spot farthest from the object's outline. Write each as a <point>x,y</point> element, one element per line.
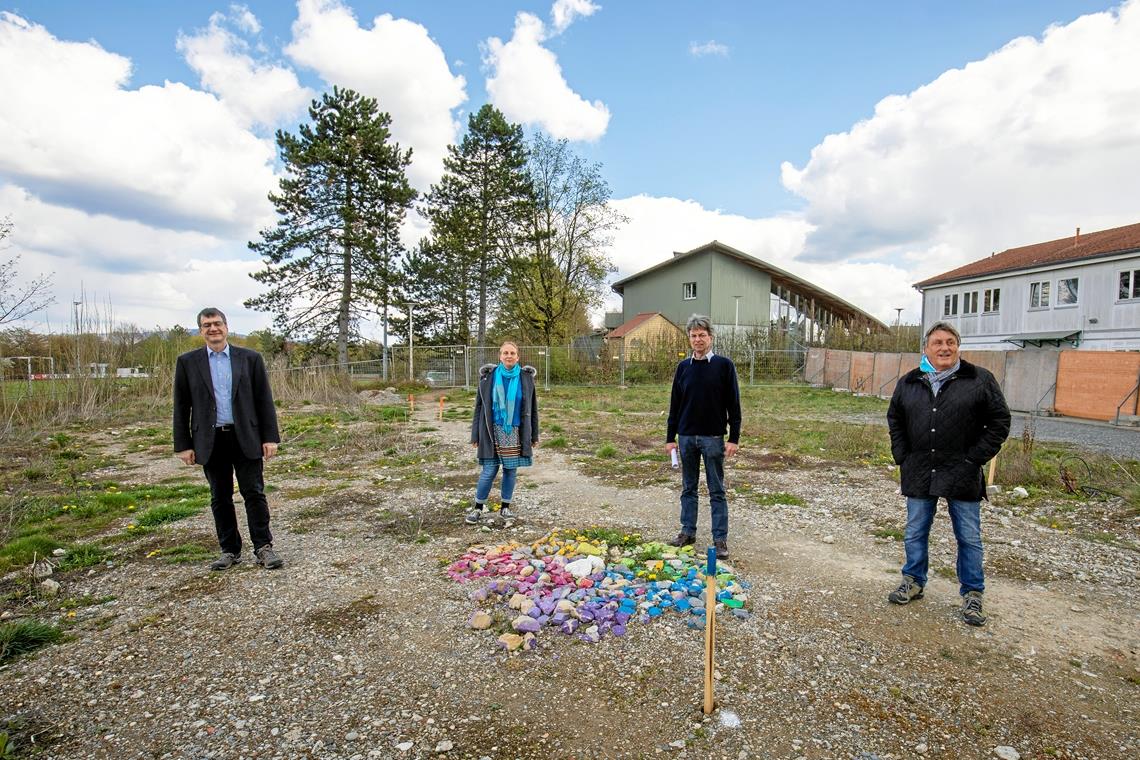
<point>505,397</point>
<point>933,376</point>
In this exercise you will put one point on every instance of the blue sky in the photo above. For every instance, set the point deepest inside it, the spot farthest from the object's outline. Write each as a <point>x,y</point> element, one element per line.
<point>861,145</point>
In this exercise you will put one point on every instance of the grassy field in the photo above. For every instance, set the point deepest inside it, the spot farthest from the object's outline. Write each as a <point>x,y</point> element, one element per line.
<point>73,489</point>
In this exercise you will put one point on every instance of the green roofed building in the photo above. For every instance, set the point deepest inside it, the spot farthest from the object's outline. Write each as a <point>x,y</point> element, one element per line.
<point>740,293</point>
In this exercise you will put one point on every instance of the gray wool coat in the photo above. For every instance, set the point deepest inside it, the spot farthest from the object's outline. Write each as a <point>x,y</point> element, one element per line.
<point>482,422</point>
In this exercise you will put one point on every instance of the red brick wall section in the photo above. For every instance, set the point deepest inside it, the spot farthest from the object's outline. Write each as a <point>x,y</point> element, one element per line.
<point>862,368</point>
<point>1091,383</point>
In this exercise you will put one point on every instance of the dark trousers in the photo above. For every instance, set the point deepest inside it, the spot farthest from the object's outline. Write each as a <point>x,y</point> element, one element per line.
<point>226,461</point>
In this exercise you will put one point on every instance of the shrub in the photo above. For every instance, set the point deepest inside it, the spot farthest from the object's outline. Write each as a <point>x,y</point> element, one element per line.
<point>607,451</point>
<point>84,555</point>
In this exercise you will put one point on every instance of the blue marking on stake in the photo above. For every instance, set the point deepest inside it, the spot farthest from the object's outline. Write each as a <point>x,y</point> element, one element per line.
<point>711,569</point>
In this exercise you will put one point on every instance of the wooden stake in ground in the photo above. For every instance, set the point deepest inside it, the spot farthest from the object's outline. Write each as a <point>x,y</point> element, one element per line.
<point>710,629</point>
<point>441,400</point>
<point>990,475</point>
<point>411,404</point>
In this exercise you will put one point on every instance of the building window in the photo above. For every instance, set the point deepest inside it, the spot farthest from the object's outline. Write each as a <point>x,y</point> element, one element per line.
<point>970,302</point>
<point>689,291</point>
<point>950,305</point>
<point>1039,295</point>
<point>991,300</point>
<point>1129,285</point>
<point>1067,291</point>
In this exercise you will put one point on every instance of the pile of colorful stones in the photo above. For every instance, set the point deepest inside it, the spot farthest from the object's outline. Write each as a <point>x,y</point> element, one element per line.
<point>588,584</point>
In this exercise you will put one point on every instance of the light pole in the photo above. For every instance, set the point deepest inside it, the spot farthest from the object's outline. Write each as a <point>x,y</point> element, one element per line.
<point>75,306</point>
<point>898,319</point>
<point>411,333</point>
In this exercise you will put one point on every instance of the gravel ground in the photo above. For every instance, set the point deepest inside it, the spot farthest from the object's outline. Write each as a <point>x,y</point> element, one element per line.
<point>359,647</point>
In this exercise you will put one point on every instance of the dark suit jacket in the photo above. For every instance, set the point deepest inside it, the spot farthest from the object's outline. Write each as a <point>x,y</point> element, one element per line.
<point>195,413</point>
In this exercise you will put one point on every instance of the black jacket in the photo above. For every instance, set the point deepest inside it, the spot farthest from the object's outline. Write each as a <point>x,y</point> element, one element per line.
<point>941,443</point>
<point>195,412</point>
<point>482,422</point>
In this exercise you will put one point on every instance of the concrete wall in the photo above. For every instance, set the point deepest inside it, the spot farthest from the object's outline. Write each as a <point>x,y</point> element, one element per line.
<point>1028,377</point>
<point>1091,384</point>
<point>994,361</point>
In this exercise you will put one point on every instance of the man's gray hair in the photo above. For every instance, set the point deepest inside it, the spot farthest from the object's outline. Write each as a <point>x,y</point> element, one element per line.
<point>699,322</point>
<point>211,311</point>
<point>943,327</point>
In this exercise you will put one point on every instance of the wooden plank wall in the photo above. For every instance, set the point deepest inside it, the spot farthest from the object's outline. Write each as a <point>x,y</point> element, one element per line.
<point>1091,383</point>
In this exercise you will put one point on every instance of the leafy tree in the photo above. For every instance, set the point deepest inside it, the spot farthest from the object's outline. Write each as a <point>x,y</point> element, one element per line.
<point>18,300</point>
<point>476,213</point>
<point>558,273</point>
<point>333,256</point>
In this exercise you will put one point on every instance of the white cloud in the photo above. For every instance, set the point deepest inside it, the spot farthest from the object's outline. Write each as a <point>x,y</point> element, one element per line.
<point>565,12</point>
<point>244,19</point>
<point>394,61</point>
<point>712,47</point>
<point>659,226</point>
<point>526,83</point>
<point>259,92</point>
<point>123,269</point>
<point>74,134</point>
<point>1023,146</point>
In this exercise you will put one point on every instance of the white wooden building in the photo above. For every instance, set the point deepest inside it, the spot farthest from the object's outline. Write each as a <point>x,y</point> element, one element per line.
<point>1078,292</point>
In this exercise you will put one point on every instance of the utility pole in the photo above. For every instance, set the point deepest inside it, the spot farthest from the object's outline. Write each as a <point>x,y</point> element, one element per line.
<point>898,319</point>
<point>75,306</point>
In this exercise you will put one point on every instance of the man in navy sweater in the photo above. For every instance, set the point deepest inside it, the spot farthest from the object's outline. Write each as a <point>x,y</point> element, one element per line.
<point>705,401</point>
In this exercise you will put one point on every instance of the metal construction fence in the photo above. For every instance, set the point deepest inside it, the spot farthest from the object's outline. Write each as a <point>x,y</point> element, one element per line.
<point>459,366</point>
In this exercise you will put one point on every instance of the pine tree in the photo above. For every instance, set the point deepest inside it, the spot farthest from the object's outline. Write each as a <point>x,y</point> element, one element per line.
<point>335,250</point>
<point>476,212</point>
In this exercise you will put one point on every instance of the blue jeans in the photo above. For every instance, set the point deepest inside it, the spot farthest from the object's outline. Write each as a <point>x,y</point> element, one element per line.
<point>966,517</point>
<point>691,449</point>
<point>487,476</point>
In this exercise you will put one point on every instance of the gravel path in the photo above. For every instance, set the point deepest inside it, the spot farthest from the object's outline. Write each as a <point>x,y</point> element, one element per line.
<point>359,647</point>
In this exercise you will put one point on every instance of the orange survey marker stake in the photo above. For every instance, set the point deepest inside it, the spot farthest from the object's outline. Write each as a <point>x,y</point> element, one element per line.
<point>710,629</point>
<point>441,400</point>
<point>411,403</point>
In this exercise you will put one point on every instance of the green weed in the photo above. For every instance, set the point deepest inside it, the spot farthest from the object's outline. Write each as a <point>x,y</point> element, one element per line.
<point>26,636</point>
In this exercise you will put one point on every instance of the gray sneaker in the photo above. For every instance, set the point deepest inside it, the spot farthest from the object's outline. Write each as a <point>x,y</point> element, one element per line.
<point>972,608</point>
<point>907,591</point>
<point>506,513</point>
<point>268,558</point>
<point>474,516</point>
<point>224,562</point>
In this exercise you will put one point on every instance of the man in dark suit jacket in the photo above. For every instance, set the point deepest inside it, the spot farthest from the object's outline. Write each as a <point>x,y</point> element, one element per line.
<point>224,420</point>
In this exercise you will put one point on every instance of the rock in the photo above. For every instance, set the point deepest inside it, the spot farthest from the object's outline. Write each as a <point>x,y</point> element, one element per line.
<point>921,748</point>
<point>829,539</point>
<point>525,624</point>
<point>405,746</point>
<point>49,588</point>
<point>1007,753</point>
<point>480,620</point>
<point>1019,493</point>
<point>444,746</point>
<point>58,552</point>
<point>679,744</point>
<point>510,641</point>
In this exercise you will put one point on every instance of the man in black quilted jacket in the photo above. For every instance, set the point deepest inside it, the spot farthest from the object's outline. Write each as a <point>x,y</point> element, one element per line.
<point>947,419</point>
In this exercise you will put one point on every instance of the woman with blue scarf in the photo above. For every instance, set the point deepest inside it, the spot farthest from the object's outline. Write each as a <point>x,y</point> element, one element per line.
<point>504,429</point>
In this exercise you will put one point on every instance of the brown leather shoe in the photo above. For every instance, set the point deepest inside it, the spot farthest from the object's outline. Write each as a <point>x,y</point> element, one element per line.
<point>721,549</point>
<point>683,539</point>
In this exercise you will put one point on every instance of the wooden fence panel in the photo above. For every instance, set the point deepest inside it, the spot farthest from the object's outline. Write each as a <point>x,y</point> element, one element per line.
<point>1091,383</point>
<point>862,371</point>
<point>837,369</point>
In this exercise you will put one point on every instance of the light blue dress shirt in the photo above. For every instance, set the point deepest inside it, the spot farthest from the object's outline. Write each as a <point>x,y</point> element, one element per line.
<point>221,373</point>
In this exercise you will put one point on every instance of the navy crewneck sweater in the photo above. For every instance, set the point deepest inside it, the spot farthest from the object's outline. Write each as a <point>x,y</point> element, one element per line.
<point>705,399</point>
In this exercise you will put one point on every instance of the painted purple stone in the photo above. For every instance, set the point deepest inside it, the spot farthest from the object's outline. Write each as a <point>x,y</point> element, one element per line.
<point>618,630</point>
